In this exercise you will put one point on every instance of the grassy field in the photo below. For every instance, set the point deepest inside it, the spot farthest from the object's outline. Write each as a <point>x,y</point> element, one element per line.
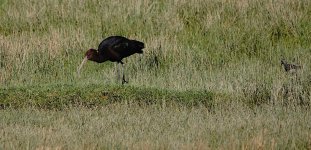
<point>219,83</point>
<point>131,126</point>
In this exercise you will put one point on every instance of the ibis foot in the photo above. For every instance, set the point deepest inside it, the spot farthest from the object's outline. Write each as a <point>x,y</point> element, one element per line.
<point>123,80</point>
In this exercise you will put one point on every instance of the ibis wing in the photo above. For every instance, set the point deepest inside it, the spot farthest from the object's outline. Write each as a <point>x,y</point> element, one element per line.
<point>121,49</point>
<point>117,44</point>
<point>118,47</point>
<point>127,48</point>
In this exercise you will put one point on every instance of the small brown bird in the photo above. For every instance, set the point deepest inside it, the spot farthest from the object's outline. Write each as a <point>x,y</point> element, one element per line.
<point>289,67</point>
<point>114,49</point>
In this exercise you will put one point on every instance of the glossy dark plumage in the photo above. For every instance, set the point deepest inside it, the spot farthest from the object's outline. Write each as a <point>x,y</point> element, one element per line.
<point>114,49</point>
<point>118,47</point>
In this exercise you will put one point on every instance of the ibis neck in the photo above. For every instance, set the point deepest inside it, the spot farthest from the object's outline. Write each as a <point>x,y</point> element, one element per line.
<point>98,58</point>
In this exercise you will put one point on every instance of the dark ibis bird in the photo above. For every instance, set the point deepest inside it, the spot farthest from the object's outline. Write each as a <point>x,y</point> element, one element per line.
<point>289,67</point>
<point>114,49</point>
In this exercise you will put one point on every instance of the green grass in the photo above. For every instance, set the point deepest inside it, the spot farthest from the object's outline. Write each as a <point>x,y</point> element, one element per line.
<point>92,96</point>
<point>218,59</point>
<point>199,44</point>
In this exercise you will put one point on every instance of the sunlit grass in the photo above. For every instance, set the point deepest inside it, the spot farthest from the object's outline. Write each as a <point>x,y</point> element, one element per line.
<point>212,54</point>
<point>197,43</point>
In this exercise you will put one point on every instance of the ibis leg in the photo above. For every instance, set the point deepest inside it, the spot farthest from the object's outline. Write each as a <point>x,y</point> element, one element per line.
<point>123,76</point>
<point>117,66</point>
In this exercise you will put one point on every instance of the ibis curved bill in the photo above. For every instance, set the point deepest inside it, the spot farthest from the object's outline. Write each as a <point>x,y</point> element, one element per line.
<point>83,62</point>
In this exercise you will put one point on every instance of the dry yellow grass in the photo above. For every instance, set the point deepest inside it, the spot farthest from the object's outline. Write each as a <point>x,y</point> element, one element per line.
<point>131,126</point>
